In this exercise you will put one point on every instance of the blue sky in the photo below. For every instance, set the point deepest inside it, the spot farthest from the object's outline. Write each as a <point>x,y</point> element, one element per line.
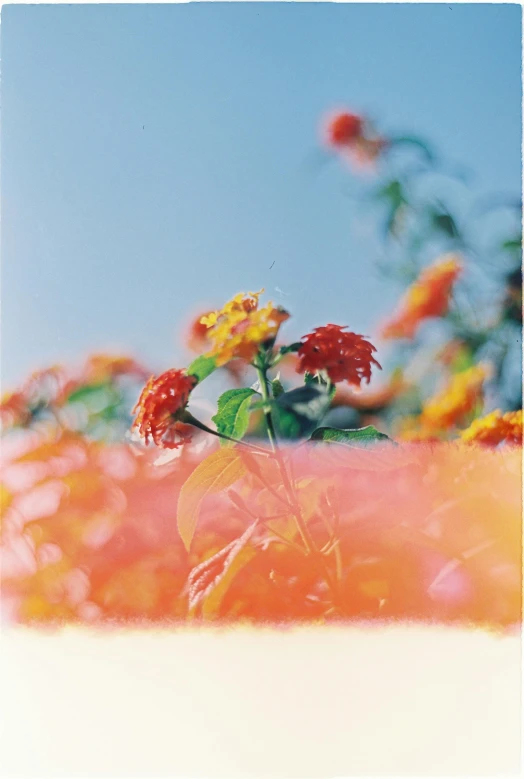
<point>154,158</point>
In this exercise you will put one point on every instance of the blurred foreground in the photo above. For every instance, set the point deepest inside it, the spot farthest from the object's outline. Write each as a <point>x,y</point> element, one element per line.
<point>94,533</point>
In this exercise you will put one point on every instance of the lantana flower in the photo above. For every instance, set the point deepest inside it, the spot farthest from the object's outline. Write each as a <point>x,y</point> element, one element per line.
<point>161,407</point>
<point>343,128</point>
<point>494,428</point>
<point>427,297</point>
<point>344,356</point>
<point>241,327</point>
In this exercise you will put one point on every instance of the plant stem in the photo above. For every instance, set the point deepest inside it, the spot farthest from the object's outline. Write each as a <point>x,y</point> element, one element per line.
<point>288,486</point>
<point>189,419</point>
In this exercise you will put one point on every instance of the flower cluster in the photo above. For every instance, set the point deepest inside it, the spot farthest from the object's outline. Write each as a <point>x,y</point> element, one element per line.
<point>459,398</point>
<point>343,356</point>
<point>240,327</point>
<point>427,297</point>
<point>160,409</point>
<point>495,428</point>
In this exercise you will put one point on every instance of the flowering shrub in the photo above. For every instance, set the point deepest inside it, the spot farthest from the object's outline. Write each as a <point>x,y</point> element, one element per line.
<point>272,510</point>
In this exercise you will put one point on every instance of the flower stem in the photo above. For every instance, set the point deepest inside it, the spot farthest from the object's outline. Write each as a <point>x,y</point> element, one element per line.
<point>189,419</point>
<point>288,486</point>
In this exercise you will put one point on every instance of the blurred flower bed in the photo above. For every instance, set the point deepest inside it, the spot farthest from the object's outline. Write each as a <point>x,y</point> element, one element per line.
<point>322,502</point>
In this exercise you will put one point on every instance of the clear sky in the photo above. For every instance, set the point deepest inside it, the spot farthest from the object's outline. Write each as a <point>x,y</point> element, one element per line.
<point>153,158</point>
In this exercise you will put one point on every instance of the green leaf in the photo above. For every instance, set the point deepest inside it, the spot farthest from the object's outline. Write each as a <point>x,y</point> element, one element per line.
<point>232,417</point>
<point>298,411</point>
<point>512,245</point>
<point>315,381</point>
<point>202,367</point>
<point>217,472</point>
<point>359,437</point>
<point>394,193</point>
<point>294,347</point>
<point>310,401</point>
<point>277,388</point>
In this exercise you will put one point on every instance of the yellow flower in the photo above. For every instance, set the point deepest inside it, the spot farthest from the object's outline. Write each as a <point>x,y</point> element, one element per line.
<point>495,428</point>
<point>457,400</point>
<point>240,327</point>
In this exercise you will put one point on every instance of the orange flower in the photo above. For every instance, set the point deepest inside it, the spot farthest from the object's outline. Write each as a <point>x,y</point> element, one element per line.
<point>344,356</point>
<point>412,429</point>
<point>239,329</point>
<point>427,297</point>
<point>342,129</point>
<point>104,367</point>
<point>160,407</point>
<point>457,400</point>
<point>495,428</point>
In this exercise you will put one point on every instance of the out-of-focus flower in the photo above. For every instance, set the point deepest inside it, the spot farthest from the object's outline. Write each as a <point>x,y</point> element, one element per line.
<point>412,429</point>
<point>105,367</point>
<point>457,400</point>
<point>240,327</point>
<point>495,428</point>
<point>344,356</point>
<point>427,297</point>
<point>196,337</point>
<point>342,129</point>
<point>378,399</point>
<point>160,406</point>
<point>14,409</point>
<point>454,353</point>
<point>354,137</point>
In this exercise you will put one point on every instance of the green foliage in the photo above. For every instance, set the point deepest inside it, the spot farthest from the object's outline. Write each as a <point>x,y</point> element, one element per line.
<point>232,417</point>
<point>363,436</point>
<point>300,410</point>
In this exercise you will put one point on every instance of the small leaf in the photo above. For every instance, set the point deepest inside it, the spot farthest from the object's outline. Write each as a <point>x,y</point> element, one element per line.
<point>217,472</point>
<point>202,367</point>
<point>294,347</point>
<point>445,223</point>
<point>204,580</point>
<point>362,436</point>
<point>512,245</point>
<point>232,417</point>
<point>394,193</point>
<point>277,388</point>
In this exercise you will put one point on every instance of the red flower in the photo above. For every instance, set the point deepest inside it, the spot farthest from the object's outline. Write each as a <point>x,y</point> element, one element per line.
<point>344,356</point>
<point>343,128</point>
<point>160,406</point>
